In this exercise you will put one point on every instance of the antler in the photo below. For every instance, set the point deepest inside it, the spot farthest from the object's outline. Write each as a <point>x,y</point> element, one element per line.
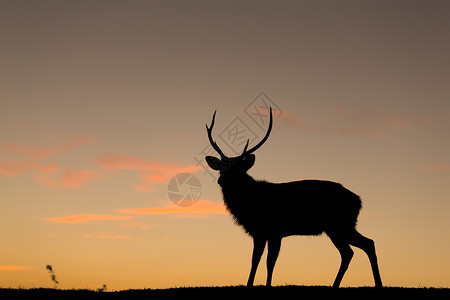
<point>245,152</point>
<point>256,147</point>
<point>213,143</point>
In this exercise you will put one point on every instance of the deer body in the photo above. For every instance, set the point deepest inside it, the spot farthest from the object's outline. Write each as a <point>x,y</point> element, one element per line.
<point>308,207</point>
<point>271,211</point>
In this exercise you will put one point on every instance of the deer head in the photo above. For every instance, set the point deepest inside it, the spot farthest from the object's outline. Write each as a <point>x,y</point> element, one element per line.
<point>233,165</point>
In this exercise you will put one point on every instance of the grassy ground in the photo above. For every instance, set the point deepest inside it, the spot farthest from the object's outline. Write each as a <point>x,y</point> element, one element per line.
<point>238,291</point>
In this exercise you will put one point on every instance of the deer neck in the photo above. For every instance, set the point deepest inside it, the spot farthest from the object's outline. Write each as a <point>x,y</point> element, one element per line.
<point>238,192</point>
<point>236,186</point>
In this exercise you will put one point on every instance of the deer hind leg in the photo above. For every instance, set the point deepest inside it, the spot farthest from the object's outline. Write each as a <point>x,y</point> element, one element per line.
<point>368,246</point>
<point>346,256</point>
<point>258,249</point>
<point>274,246</point>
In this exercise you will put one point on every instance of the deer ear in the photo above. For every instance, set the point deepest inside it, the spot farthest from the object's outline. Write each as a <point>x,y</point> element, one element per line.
<point>214,163</point>
<point>249,161</point>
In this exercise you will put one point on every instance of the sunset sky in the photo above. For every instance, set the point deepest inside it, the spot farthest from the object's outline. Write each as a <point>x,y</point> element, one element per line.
<point>103,102</point>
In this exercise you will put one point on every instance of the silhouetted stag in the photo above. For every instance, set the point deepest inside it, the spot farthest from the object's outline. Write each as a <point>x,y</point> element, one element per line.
<point>271,211</point>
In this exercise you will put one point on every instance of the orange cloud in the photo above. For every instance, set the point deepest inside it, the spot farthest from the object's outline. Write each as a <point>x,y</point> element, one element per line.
<point>88,218</point>
<point>149,180</point>
<point>151,173</point>
<point>103,236</point>
<point>199,209</point>
<point>14,268</point>
<point>13,168</point>
<point>76,178</point>
<point>39,152</point>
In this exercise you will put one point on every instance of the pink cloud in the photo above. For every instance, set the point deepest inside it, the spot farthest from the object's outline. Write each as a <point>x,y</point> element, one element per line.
<point>46,173</point>
<point>342,112</point>
<point>88,218</point>
<point>382,120</point>
<point>200,209</point>
<point>15,167</point>
<point>357,121</point>
<point>148,181</point>
<point>151,172</point>
<point>293,120</point>
<point>40,152</point>
<point>70,178</point>
<point>287,117</point>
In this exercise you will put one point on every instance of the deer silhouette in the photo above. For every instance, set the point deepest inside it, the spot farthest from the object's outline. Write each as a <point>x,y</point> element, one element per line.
<point>269,211</point>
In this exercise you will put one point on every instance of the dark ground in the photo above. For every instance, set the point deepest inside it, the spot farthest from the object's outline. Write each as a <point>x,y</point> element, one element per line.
<point>241,292</point>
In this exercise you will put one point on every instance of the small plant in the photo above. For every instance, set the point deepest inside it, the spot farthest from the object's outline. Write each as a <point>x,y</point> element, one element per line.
<point>52,275</point>
<point>104,288</point>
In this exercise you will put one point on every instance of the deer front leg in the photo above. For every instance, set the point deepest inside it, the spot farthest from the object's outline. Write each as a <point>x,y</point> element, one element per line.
<point>258,249</point>
<point>272,255</point>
